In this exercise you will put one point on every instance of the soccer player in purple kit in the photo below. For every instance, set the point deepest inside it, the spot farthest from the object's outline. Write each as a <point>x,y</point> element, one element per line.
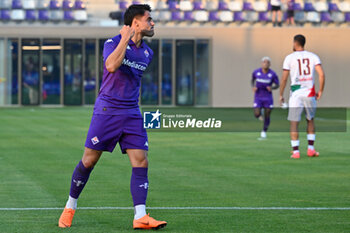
<point>264,80</point>
<point>117,117</point>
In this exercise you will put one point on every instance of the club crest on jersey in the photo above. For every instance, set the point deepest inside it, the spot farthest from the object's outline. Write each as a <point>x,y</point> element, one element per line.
<point>95,140</point>
<point>146,53</point>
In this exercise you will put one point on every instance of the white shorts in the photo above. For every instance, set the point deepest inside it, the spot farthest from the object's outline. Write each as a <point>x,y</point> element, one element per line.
<point>297,103</point>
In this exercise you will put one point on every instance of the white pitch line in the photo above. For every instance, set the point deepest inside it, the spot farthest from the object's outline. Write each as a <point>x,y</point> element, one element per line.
<point>185,208</point>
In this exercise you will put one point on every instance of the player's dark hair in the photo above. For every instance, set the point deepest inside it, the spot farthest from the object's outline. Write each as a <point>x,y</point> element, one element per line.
<point>300,39</point>
<point>135,10</point>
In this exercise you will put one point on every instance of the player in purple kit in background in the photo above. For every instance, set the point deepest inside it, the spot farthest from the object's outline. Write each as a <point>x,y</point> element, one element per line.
<point>290,12</point>
<point>117,117</point>
<point>264,80</point>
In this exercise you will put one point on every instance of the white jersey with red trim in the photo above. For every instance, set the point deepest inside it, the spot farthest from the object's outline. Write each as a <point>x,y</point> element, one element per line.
<point>301,65</point>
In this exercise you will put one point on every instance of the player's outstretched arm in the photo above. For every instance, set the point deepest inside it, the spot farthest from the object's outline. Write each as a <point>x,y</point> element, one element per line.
<point>285,76</point>
<point>115,59</point>
<point>322,80</point>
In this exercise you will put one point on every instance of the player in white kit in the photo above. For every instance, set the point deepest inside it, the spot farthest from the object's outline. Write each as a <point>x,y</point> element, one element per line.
<point>301,66</point>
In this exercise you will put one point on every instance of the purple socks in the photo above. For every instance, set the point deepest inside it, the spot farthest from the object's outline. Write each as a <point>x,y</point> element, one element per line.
<point>139,185</point>
<point>266,123</point>
<point>79,178</point>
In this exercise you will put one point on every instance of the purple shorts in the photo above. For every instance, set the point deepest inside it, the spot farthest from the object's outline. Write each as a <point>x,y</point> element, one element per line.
<point>107,130</point>
<point>263,103</point>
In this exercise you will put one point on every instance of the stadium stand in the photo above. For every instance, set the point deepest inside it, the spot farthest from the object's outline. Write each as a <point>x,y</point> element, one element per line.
<point>94,12</point>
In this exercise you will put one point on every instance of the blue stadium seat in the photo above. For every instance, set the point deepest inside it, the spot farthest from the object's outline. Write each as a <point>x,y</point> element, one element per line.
<point>297,6</point>
<point>123,5</point>
<point>333,7</point>
<point>188,16</point>
<point>264,17</point>
<point>308,7</point>
<point>214,16</point>
<point>326,17</point>
<point>30,15</point>
<point>347,17</point>
<point>17,4</point>
<point>197,5</point>
<point>238,17</point>
<point>247,6</point>
<point>67,4</point>
<point>176,16</point>
<point>68,15</point>
<point>173,6</point>
<point>222,6</point>
<point>136,2</point>
<point>5,14</point>
<point>54,4</point>
<point>43,15</point>
<point>79,4</point>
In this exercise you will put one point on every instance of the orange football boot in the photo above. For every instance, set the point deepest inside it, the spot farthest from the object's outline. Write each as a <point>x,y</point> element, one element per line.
<point>66,218</point>
<point>312,153</point>
<point>295,155</point>
<point>147,222</point>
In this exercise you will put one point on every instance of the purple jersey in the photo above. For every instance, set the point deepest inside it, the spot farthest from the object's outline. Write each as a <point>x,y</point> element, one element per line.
<point>119,92</point>
<point>290,4</point>
<point>263,81</point>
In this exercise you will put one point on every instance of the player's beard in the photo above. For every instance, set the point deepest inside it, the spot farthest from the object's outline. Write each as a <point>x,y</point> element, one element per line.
<point>148,33</point>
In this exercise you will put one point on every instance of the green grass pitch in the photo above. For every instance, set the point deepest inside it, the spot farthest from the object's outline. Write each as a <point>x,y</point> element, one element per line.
<point>39,148</point>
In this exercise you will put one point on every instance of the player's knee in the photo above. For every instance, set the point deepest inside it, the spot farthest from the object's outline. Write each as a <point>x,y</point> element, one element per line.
<point>141,161</point>
<point>88,163</point>
<point>90,157</point>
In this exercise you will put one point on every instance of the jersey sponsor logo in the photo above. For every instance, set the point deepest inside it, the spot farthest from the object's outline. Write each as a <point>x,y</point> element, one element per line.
<point>145,185</point>
<point>304,79</point>
<point>260,80</point>
<point>151,120</point>
<point>146,53</point>
<point>95,140</point>
<point>134,65</point>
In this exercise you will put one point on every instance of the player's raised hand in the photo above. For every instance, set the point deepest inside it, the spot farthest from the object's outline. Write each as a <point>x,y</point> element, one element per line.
<point>318,95</point>
<point>127,32</point>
